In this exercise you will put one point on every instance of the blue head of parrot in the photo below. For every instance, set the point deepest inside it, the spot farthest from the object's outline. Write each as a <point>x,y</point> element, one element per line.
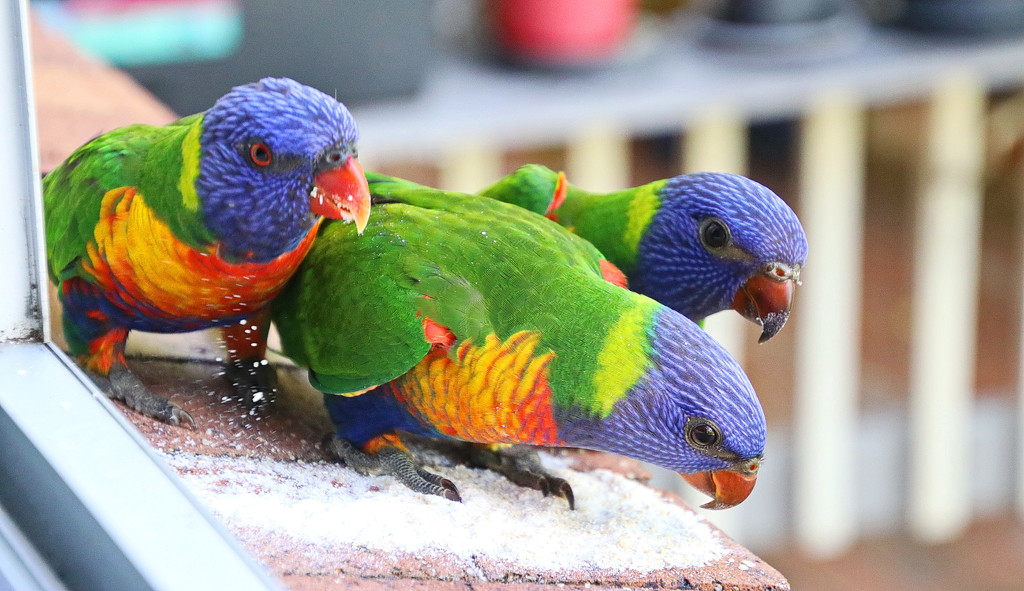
<point>693,411</point>
<point>722,241</point>
<point>274,156</point>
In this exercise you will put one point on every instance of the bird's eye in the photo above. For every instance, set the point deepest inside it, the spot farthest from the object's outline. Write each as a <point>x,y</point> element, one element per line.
<point>702,433</point>
<point>714,234</point>
<point>260,154</point>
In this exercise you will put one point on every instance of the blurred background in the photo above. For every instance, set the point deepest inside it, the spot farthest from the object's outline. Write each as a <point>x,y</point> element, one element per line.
<point>895,128</point>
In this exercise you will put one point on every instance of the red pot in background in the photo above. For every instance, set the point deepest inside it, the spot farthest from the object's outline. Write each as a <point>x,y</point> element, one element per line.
<point>562,32</point>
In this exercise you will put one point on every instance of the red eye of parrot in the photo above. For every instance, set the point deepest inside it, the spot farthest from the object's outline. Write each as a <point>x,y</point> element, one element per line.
<point>260,154</point>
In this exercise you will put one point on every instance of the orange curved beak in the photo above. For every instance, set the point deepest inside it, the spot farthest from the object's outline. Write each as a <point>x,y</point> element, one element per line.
<point>766,298</point>
<point>342,193</point>
<point>727,487</point>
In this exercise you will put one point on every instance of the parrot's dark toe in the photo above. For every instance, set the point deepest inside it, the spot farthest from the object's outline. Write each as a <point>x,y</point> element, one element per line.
<point>438,480</point>
<point>399,464</point>
<point>561,488</point>
<point>450,492</point>
<point>180,417</point>
<point>395,462</point>
<point>522,466</point>
<point>527,480</point>
<point>447,487</point>
<point>121,384</point>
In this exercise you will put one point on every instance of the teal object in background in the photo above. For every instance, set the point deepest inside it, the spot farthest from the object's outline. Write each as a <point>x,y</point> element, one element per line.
<point>148,32</point>
<point>190,52</point>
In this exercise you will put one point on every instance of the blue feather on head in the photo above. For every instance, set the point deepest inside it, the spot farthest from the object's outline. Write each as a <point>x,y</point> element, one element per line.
<point>693,411</point>
<point>711,235</point>
<point>262,145</point>
<point>678,385</point>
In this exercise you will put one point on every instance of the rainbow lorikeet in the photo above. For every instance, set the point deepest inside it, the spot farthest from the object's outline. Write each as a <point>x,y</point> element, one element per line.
<point>698,243</point>
<point>456,316</point>
<point>196,224</point>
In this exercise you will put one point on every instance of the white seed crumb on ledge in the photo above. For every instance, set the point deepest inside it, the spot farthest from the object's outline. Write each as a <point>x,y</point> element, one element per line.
<point>618,524</point>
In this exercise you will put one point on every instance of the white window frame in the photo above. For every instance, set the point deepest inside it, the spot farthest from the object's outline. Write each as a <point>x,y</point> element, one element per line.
<point>84,501</point>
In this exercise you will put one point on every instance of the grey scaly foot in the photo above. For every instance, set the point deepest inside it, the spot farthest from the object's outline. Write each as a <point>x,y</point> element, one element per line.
<point>253,379</point>
<point>397,463</point>
<point>521,465</point>
<point>121,384</point>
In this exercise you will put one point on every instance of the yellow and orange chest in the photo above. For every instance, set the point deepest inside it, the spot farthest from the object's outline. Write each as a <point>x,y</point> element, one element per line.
<point>135,255</point>
<point>490,392</point>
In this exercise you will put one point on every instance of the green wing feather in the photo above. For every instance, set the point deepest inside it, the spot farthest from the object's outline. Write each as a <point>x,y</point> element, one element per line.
<point>346,314</point>
<point>449,299</point>
<point>353,313</point>
<point>142,156</point>
<point>531,187</point>
<point>613,222</point>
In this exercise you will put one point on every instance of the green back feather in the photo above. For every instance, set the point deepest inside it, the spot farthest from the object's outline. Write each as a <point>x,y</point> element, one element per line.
<point>346,314</point>
<point>613,222</point>
<point>531,187</point>
<point>448,299</point>
<point>142,156</point>
<point>350,315</point>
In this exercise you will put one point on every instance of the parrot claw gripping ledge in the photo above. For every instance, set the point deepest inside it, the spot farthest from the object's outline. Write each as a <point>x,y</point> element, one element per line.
<point>197,224</point>
<point>698,243</point>
<point>461,317</point>
<point>135,395</point>
<point>394,462</point>
<point>522,466</point>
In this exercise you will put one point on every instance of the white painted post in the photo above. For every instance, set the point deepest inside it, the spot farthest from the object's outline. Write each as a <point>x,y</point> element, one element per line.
<point>717,142</point>
<point>470,167</point>
<point>828,325</point>
<point>1020,364</point>
<point>597,158</point>
<point>944,316</point>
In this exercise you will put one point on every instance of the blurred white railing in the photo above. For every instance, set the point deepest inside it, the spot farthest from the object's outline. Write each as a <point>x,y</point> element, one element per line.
<point>942,362</point>
<point>828,337</point>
